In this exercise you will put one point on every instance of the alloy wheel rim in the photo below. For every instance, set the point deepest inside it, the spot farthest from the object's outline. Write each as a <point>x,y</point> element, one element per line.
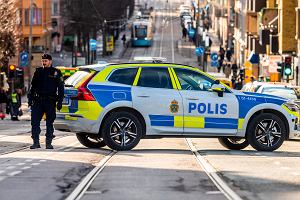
<point>123,131</point>
<point>268,132</point>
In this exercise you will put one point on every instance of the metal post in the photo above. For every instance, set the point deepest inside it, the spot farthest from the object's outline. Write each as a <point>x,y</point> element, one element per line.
<point>75,46</point>
<point>30,44</point>
<point>104,37</point>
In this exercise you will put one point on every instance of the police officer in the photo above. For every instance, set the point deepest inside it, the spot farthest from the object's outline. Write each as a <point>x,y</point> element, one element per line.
<point>46,93</point>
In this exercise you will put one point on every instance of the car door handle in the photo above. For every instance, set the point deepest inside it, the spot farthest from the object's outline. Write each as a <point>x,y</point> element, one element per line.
<point>144,96</point>
<point>191,98</point>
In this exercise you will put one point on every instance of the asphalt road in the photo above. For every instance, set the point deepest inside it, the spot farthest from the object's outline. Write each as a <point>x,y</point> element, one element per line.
<point>156,169</point>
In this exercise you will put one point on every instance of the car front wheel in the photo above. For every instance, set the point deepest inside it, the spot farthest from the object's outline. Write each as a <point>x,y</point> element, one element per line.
<point>90,141</point>
<point>234,143</point>
<point>122,131</point>
<point>266,132</point>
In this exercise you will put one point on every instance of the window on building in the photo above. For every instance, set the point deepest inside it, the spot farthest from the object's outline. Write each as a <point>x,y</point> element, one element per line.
<point>36,16</point>
<point>124,76</point>
<point>155,78</point>
<point>55,10</point>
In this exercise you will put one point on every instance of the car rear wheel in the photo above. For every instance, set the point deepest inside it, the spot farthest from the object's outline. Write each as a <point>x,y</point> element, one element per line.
<point>122,131</point>
<point>90,140</point>
<point>266,132</point>
<point>234,143</point>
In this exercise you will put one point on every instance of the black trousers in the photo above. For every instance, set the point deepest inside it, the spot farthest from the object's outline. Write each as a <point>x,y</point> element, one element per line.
<point>38,109</point>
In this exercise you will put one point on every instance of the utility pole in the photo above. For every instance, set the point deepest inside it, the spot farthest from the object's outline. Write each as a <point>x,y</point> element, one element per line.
<point>30,44</point>
<point>104,37</point>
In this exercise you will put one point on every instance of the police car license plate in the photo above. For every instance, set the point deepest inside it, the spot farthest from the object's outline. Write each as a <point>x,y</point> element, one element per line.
<point>66,101</point>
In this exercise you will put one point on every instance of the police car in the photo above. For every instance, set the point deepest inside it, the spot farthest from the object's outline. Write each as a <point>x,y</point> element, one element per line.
<point>119,104</point>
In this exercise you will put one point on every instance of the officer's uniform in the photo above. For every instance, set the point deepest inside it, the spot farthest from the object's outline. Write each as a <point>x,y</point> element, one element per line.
<point>47,89</point>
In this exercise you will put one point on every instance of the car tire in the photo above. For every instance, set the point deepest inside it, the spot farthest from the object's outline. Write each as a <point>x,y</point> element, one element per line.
<point>90,142</point>
<point>122,131</point>
<point>234,143</point>
<point>266,132</point>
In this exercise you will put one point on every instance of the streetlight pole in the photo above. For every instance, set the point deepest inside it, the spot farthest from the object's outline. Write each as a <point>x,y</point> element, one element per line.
<point>30,44</point>
<point>104,37</point>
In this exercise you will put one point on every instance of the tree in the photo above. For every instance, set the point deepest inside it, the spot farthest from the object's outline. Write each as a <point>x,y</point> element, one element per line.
<point>86,17</point>
<point>9,32</point>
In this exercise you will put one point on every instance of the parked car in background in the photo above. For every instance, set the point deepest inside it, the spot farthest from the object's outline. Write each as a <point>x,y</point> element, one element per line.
<point>281,90</point>
<point>252,87</point>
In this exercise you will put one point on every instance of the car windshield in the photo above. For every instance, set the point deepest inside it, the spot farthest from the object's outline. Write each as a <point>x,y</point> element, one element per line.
<point>285,92</point>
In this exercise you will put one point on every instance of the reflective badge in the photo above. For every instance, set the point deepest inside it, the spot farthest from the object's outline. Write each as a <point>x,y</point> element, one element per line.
<point>174,107</point>
<point>55,73</point>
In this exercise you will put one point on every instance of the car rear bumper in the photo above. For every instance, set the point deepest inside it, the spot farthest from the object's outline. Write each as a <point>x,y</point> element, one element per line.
<point>75,123</point>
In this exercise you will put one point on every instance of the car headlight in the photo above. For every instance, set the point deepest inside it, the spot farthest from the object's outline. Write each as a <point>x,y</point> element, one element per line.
<point>292,106</point>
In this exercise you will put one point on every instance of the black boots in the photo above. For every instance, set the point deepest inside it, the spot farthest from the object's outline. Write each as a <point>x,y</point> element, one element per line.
<point>36,145</point>
<point>48,143</point>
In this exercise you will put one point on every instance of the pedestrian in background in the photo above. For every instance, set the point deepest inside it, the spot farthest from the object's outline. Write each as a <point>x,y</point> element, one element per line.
<point>124,40</point>
<point>15,104</point>
<point>184,33</point>
<point>221,58</point>
<point>45,95</point>
<point>234,69</point>
<point>3,102</point>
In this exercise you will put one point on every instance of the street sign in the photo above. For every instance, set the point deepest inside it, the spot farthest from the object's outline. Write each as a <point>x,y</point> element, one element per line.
<point>191,33</point>
<point>214,56</point>
<point>93,45</point>
<point>214,64</point>
<point>24,59</point>
<point>199,51</point>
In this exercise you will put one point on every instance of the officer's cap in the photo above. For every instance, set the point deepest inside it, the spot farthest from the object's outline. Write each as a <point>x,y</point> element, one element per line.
<point>46,56</point>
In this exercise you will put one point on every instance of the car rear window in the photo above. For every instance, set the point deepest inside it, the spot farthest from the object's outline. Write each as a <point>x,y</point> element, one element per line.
<point>123,76</point>
<point>76,78</point>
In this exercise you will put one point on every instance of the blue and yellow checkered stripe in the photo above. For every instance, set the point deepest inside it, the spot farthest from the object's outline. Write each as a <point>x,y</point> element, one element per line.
<point>195,122</point>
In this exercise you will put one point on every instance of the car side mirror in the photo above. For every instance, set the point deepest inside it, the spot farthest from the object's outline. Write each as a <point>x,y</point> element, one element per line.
<point>218,88</point>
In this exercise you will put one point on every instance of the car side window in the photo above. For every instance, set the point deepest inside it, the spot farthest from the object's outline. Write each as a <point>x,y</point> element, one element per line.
<point>192,80</point>
<point>155,77</point>
<point>124,76</point>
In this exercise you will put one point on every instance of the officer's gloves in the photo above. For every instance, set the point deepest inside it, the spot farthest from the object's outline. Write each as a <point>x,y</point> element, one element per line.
<point>59,105</point>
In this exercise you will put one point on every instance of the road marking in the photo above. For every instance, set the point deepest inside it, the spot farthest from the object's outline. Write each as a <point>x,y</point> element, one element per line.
<point>79,191</point>
<point>14,173</point>
<point>93,192</point>
<point>21,164</point>
<point>2,171</point>
<point>10,167</point>
<point>28,160</point>
<point>162,31</point>
<point>42,160</point>
<point>27,167</point>
<point>2,178</point>
<point>212,174</point>
<point>172,33</point>
<point>35,164</point>
<point>213,192</point>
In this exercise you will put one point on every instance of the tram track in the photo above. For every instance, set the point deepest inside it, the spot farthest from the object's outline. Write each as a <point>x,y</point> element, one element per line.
<point>210,171</point>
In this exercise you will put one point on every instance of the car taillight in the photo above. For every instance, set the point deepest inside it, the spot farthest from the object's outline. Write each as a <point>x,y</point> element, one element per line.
<point>84,93</point>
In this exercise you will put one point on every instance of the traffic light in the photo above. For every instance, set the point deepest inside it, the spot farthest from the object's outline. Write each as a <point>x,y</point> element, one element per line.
<point>242,74</point>
<point>279,68</point>
<point>2,76</point>
<point>288,66</point>
<point>11,71</point>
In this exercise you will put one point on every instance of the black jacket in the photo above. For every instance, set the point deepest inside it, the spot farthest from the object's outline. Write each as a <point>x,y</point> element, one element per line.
<point>47,82</point>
